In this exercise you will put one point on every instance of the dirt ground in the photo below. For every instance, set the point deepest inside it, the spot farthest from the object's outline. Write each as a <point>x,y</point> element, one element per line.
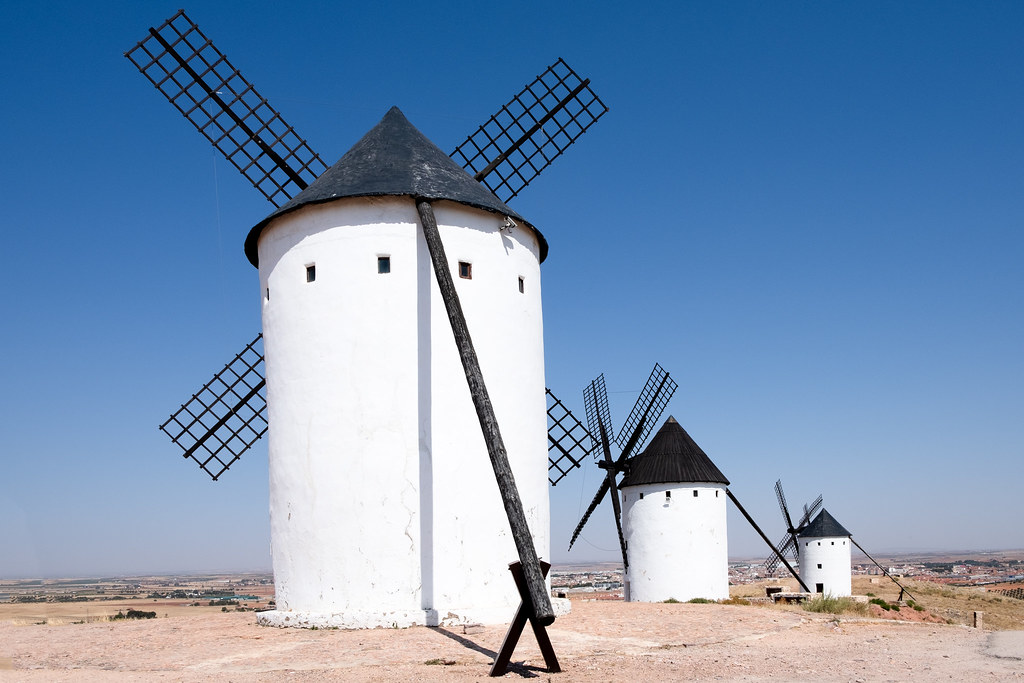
<point>598,641</point>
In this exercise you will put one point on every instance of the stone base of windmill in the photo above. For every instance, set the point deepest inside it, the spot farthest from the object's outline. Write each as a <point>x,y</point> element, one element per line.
<point>397,619</point>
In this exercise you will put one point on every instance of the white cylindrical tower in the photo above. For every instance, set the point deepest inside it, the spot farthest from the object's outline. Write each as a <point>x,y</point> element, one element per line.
<point>825,556</point>
<point>674,521</point>
<point>384,507</point>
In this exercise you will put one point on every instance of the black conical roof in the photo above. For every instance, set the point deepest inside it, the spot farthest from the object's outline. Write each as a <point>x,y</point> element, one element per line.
<point>824,526</point>
<point>672,457</point>
<point>393,158</point>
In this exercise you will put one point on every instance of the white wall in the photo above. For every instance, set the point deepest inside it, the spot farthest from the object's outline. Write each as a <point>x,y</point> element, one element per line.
<point>677,545</point>
<point>833,556</point>
<point>383,504</point>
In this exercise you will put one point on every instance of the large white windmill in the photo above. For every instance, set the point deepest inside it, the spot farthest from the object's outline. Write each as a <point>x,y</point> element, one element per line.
<point>384,510</point>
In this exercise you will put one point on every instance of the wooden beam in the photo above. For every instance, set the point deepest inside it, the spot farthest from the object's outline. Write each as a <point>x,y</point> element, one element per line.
<point>765,538</point>
<point>538,592</point>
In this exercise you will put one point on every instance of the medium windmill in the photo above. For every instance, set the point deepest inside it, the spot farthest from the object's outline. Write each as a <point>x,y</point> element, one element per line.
<point>631,437</point>
<point>679,461</point>
<point>417,188</point>
<point>674,519</point>
<point>789,545</point>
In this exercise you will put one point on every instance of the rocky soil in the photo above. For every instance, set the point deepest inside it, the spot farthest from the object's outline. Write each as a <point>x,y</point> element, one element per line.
<point>599,641</point>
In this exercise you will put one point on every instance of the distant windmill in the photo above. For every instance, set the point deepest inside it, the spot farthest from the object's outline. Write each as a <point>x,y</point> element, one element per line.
<point>369,423</point>
<point>788,546</point>
<point>825,557</point>
<point>817,543</point>
<point>631,438</point>
<point>825,547</point>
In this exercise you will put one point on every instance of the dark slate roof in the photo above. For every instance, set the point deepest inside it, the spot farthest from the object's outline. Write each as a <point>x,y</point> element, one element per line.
<point>824,526</point>
<point>672,456</point>
<point>394,158</point>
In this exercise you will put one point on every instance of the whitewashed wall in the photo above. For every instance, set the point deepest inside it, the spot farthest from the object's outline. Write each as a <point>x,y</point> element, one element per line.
<point>678,545</point>
<point>383,504</point>
<point>833,554</point>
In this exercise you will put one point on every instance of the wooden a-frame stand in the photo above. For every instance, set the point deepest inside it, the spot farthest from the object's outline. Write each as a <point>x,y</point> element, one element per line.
<point>515,629</point>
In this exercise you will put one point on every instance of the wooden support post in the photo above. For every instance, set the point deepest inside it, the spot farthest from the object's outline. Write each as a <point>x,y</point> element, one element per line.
<point>538,593</point>
<point>515,629</point>
<point>891,577</point>
<point>774,549</point>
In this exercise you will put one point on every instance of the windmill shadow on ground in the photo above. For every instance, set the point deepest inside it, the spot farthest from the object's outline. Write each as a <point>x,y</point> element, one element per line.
<point>518,668</point>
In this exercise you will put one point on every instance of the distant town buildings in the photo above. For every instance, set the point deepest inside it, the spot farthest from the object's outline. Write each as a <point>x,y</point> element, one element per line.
<point>605,581</point>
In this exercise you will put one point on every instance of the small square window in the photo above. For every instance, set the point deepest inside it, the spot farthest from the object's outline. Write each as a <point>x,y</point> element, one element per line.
<point>695,493</point>
<point>465,270</point>
<point>641,495</point>
<point>311,272</point>
<point>668,494</point>
<point>522,285</point>
<point>383,264</point>
<point>819,566</point>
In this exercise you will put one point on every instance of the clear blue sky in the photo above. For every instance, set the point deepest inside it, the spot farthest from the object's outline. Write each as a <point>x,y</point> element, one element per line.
<point>810,213</point>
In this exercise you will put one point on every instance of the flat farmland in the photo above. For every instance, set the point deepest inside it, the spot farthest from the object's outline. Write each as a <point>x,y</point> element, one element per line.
<point>58,613</point>
<point>75,601</point>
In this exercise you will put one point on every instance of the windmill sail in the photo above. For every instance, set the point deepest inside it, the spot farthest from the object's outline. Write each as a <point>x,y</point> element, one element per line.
<point>567,440</point>
<point>202,84</point>
<point>648,408</point>
<point>595,400</point>
<point>226,417</point>
<point>612,468</point>
<point>602,490</point>
<point>650,404</point>
<point>788,546</point>
<point>530,131</point>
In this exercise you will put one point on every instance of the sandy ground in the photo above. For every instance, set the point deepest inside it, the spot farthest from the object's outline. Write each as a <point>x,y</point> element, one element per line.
<point>599,641</point>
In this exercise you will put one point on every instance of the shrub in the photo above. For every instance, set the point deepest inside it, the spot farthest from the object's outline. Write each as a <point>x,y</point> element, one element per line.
<point>133,614</point>
<point>881,603</point>
<point>698,601</point>
<point>671,601</point>
<point>734,601</point>
<point>831,605</point>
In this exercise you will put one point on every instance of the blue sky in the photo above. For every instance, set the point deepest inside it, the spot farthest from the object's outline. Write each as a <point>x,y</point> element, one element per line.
<point>810,213</point>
